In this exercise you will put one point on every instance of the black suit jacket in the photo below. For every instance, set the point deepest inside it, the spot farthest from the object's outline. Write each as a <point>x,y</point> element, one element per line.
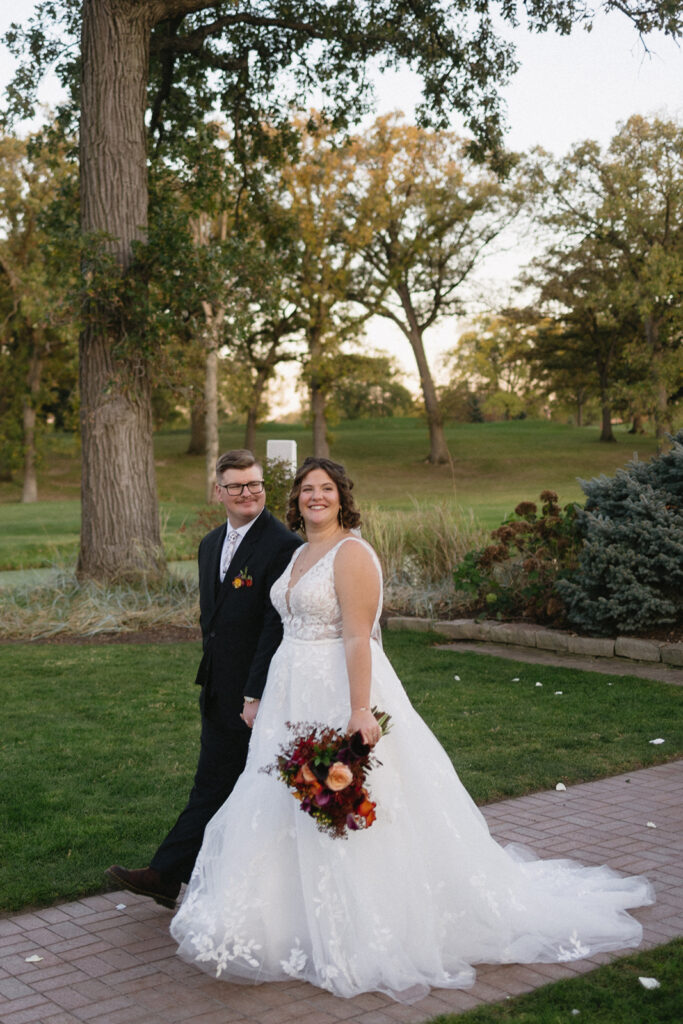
<point>240,628</point>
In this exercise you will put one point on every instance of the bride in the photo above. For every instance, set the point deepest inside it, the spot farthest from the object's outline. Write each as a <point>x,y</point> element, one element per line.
<point>422,895</point>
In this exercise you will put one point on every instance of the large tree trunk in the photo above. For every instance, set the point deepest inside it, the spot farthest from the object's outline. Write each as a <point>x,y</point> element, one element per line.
<point>29,492</point>
<point>438,449</point>
<point>579,407</point>
<point>262,375</point>
<point>662,412</point>
<point>321,448</point>
<point>120,535</point>
<point>606,434</point>
<point>197,445</point>
<point>250,427</point>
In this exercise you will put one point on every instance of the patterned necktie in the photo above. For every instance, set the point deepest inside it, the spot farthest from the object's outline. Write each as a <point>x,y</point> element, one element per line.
<point>228,552</point>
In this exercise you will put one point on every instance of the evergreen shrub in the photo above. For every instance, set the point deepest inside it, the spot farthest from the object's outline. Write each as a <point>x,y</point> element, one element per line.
<point>630,574</point>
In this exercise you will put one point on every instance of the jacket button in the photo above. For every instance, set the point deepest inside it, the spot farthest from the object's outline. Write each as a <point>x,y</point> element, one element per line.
<point>212,634</point>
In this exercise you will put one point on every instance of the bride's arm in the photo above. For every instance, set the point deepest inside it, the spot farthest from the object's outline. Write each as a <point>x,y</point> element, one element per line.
<point>358,590</point>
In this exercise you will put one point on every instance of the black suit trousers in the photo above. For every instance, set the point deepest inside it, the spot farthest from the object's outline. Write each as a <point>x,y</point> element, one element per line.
<point>222,757</point>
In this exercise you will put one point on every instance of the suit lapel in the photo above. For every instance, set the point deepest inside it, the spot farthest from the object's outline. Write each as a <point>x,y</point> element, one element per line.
<point>244,551</point>
<point>214,562</point>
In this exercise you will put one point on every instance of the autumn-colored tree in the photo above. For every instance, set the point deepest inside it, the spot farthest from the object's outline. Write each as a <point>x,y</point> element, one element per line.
<point>37,336</point>
<point>435,213</point>
<point>167,63</point>
<point>327,237</point>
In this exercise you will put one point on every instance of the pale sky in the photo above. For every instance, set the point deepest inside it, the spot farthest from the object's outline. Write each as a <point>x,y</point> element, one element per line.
<point>567,89</point>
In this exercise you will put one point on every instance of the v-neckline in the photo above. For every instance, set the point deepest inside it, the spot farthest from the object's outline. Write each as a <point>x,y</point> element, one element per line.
<point>292,585</point>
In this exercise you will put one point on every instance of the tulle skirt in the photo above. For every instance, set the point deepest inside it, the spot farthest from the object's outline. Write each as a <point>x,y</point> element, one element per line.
<point>410,903</point>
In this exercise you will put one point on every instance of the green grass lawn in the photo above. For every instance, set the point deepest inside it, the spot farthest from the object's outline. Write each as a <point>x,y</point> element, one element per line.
<point>99,744</point>
<point>495,465</point>
<point>609,995</point>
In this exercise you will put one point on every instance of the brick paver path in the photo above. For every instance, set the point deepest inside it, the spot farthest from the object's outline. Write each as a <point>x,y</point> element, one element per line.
<point>111,964</point>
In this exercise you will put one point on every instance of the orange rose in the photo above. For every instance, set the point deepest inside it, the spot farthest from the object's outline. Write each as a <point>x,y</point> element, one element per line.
<point>339,776</point>
<point>366,808</point>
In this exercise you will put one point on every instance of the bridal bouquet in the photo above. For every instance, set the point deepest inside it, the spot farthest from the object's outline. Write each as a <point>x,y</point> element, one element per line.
<point>326,772</point>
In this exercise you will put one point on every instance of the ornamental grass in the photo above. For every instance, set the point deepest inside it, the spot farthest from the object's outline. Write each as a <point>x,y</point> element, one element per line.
<point>67,606</point>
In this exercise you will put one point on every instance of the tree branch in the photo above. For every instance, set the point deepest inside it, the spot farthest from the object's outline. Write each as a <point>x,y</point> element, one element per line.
<point>194,41</point>
<point>161,10</point>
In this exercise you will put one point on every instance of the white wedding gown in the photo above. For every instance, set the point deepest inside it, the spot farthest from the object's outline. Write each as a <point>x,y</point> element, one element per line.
<point>411,902</point>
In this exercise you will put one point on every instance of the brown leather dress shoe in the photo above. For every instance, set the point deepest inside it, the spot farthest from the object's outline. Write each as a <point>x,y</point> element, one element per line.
<point>146,882</point>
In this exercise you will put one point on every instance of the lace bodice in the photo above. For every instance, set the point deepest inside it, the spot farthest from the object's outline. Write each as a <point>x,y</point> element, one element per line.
<point>309,608</point>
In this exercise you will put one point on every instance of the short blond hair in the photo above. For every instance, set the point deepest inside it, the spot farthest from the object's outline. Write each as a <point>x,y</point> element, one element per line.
<point>236,458</point>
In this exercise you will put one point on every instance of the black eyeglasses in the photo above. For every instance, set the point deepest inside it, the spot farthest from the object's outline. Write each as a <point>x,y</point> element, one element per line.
<point>254,487</point>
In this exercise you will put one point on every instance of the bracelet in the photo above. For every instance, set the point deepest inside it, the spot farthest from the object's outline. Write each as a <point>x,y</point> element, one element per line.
<point>359,709</point>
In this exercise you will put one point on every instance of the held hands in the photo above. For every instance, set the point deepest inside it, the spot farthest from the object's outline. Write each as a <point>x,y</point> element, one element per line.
<point>363,721</point>
<point>249,712</point>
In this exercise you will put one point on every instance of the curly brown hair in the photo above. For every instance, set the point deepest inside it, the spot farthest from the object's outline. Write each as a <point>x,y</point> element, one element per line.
<point>350,516</point>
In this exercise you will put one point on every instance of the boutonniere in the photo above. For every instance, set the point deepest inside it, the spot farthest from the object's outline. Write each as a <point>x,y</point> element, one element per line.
<point>243,579</point>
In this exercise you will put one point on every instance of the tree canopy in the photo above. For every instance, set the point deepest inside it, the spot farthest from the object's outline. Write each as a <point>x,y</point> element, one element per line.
<point>141,70</point>
<point>251,60</point>
<point>616,255</point>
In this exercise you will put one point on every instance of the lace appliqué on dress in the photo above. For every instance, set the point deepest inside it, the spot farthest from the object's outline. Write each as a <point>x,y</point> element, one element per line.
<point>408,904</point>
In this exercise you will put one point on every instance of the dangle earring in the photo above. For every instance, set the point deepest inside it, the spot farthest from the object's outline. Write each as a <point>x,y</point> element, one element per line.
<point>340,518</point>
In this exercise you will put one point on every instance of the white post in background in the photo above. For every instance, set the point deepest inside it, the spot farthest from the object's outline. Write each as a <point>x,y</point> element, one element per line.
<point>283,450</point>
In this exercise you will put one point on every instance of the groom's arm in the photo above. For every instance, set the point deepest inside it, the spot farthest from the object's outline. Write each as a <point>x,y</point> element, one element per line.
<point>271,627</point>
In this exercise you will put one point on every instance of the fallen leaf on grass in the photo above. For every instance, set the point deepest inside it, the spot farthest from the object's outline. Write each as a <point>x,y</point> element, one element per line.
<point>649,983</point>
<point>657,741</point>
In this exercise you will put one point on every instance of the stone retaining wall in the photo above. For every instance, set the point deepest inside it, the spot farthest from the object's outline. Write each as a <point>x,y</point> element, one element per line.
<point>524,634</point>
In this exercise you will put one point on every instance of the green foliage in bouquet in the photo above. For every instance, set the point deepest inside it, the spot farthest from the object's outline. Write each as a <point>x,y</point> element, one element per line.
<point>517,574</point>
<point>630,576</point>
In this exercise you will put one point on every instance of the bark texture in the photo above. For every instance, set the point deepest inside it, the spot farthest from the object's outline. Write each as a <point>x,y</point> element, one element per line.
<point>262,377</point>
<point>438,449</point>
<point>197,445</point>
<point>120,534</point>
<point>606,433</point>
<point>321,448</point>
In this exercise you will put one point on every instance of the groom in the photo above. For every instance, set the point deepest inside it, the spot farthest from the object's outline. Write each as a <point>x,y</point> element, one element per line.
<point>238,563</point>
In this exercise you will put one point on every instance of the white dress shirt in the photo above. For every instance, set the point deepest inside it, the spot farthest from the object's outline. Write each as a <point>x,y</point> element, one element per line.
<point>241,532</point>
